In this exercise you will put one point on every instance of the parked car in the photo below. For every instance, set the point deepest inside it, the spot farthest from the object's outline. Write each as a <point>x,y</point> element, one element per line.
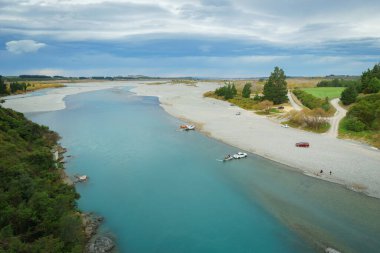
<point>285,126</point>
<point>302,144</point>
<point>281,107</point>
<point>240,155</point>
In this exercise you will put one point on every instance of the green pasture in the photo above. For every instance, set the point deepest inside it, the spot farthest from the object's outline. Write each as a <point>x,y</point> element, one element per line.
<point>323,92</point>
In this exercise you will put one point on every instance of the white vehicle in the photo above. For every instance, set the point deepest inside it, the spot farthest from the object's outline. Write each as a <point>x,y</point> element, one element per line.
<point>285,126</point>
<point>240,155</point>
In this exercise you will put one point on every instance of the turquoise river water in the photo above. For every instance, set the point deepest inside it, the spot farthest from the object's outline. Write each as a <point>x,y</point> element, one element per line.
<point>163,190</point>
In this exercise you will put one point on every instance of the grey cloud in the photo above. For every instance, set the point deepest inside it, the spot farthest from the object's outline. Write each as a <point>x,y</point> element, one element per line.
<point>283,22</point>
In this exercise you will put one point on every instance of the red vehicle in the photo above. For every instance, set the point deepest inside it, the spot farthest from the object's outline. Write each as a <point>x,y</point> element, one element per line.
<point>302,144</point>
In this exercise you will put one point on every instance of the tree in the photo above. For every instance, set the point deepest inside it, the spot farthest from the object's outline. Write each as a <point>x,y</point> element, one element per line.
<point>233,89</point>
<point>275,89</point>
<point>373,86</point>
<point>3,86</point>
<point>229,92</point>
<point>349,95</point>
<point>367,77</point>
<point>246,93</point>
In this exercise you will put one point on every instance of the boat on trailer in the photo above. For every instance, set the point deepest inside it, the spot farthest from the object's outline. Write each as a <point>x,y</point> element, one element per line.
<point>228,158</point>
<point>187,127</point>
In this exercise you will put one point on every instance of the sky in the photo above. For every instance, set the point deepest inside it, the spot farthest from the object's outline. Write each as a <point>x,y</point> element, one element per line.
<point>199,38</point>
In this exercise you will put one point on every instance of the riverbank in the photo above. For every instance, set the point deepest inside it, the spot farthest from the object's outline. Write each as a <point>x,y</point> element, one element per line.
<point>53,100</point>
<point>353,165</point>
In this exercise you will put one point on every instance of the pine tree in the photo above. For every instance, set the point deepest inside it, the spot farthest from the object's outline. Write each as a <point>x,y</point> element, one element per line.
<point>3,86</point>
<point>349,95</point>
<point>246,93</point>
<point>233,89</point>
<point>373,86</point>
<point>275,89</point>
<point>367,77</point>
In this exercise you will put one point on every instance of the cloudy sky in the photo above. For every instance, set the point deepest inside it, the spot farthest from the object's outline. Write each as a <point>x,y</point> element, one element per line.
<point>204,38</point>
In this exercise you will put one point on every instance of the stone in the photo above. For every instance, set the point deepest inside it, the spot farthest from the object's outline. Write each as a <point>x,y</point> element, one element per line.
<point>101,244</point>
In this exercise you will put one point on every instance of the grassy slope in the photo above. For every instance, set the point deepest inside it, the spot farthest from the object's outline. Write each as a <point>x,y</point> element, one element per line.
<point>323,92</point>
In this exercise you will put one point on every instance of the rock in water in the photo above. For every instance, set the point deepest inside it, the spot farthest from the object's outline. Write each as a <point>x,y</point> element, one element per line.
<point>101,244</point>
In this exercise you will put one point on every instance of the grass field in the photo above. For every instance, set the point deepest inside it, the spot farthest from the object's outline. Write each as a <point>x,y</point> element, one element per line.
<point>322,92</point>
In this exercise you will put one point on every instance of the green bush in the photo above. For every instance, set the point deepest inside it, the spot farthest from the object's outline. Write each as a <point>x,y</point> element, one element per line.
<point>354,124</point>
<point>349,95</point>
<point>228,91</point>
<point>310,101</point>
<point>367,110</point>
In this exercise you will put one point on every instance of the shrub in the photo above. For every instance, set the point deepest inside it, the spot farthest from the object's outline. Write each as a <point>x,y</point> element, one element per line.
<point>310,101</point>
<point>367,110</point>
<point>228,91</point>
<point>257,97</point>
<point>265,106</point>
<point>354,124</point>
<point>311,119</point>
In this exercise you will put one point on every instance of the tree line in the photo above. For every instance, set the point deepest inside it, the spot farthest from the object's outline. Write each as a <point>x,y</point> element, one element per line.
<point>275,89</point>
<point>369,83</point>
<point>12,88</point>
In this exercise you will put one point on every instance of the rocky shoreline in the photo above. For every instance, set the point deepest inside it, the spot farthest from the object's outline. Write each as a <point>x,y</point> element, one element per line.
<point>96,242</point>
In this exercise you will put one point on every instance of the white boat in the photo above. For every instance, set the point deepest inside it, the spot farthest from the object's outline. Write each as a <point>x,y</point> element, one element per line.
<point>240,155</point>
<point>82,178</point>
<point>190,127</point>
<point>228,158</point>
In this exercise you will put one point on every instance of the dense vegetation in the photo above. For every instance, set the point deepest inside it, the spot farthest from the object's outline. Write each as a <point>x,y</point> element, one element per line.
<point>3,87</point>
<point>363,120</point>
<point>369,83</point>
<point>370,80</point>
<point>337,83</point>
<point>228,91</point>
<point>366,113</point>
<point>16,87</point>
<point>37,210</point>
<point>349,95</point>
<point>310,101</point>
<point>311,120</point>
<point>275,88</point>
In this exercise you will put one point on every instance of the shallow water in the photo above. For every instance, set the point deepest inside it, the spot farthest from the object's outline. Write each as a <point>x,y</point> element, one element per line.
<point>163,190</point>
